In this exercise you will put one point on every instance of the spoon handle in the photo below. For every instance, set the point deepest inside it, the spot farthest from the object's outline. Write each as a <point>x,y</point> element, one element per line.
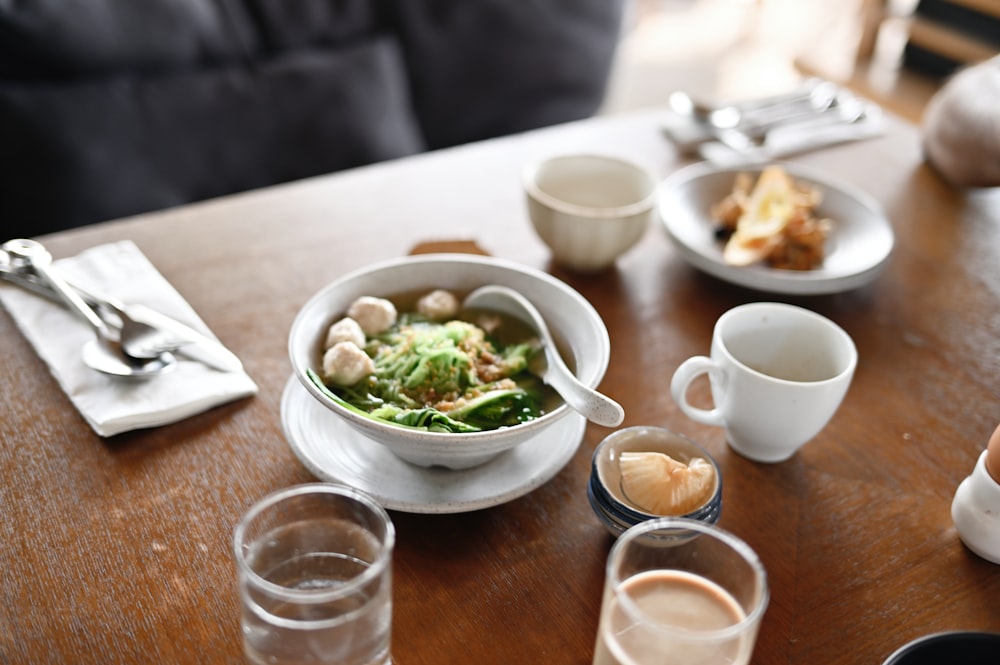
<point>30,254</point>
<point>599,408</point>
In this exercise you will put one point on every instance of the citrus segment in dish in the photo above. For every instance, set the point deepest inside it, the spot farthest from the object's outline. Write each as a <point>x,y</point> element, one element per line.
<point>661,485</point>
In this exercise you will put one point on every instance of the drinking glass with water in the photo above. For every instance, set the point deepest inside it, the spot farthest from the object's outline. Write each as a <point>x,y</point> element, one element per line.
<point>314,572</point>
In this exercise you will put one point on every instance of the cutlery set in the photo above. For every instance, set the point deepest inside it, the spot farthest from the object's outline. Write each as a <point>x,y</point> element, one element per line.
<point>750,127</point>
<point>131,340</point>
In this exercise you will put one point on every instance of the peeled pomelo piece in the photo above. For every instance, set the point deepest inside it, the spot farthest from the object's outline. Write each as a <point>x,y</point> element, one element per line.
<point>661,485</point>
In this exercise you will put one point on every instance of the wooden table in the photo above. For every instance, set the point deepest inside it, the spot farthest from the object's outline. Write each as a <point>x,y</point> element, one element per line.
<point>118,550</point>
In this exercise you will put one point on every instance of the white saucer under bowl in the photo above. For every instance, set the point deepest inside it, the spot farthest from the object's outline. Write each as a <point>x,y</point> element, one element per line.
<point>334,451</point>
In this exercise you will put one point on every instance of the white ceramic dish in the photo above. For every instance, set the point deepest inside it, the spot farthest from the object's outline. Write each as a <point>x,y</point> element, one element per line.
<point>574,323</point>
<point>335,452</point>
<point>856,251</point>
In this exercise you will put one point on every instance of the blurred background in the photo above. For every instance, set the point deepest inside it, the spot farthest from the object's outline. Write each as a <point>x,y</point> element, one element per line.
<point>896,52</point>
<point>114,108</point>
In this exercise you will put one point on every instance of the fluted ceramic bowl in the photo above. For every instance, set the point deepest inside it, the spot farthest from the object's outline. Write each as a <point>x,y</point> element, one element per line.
<point>589,209</point>
<point>575,324</point>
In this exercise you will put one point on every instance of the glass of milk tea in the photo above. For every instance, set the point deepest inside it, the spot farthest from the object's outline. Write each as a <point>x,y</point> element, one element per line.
<point>679,591</point>
<point>313,566</point>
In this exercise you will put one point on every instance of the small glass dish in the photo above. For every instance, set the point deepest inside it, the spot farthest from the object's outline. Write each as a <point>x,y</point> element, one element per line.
<point>606,495</point>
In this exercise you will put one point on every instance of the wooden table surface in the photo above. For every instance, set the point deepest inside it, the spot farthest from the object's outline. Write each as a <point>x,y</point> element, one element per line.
<point>118,550</point>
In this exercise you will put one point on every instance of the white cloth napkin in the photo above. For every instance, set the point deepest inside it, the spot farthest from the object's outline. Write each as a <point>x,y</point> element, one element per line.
<point>112,404</point>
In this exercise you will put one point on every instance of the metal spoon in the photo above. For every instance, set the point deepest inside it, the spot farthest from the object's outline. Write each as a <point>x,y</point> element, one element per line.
<point>814,95</point>
<point>140,340</point>
<point>596,407</point>
<point>104,353</point>
<point>817,100</point>
<point>846,111</point>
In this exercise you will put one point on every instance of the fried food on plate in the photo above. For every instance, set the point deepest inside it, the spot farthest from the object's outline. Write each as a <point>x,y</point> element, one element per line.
<point>772,220</point>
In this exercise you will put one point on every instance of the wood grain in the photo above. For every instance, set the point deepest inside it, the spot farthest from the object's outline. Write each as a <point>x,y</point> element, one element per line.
<point>118,550</point>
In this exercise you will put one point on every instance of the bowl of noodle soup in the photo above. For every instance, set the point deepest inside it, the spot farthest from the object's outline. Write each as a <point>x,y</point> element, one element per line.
<point>579,332</point>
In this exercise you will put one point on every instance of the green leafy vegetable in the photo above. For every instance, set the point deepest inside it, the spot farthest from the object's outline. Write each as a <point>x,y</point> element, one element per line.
<point>498,408</point>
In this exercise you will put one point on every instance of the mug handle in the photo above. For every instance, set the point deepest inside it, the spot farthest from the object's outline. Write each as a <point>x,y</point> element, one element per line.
<point>687,372</point>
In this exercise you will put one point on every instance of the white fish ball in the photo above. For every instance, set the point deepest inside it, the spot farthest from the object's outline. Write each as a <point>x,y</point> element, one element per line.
<point>345,364</point>
<point>438,305</point>
<point>374,315</point>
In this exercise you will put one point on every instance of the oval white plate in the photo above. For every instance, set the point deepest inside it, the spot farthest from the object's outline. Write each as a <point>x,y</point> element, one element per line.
<point>856,251</point>
<point>334,451</point>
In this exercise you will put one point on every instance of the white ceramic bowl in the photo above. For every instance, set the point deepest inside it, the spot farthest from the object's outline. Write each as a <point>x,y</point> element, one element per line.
<point>589,209</point>
<point>574,322</point>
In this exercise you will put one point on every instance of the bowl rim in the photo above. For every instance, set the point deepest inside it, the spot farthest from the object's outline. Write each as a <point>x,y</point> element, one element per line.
<point>943,636</point>
<point>643,205</point>
<point>600,355</point>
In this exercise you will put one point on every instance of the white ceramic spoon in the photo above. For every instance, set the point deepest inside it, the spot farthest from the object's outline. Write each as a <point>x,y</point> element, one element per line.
<point>596,407</point>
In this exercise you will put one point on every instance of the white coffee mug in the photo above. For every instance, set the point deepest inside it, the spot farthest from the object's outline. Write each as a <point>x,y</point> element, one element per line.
<point>777,372</point>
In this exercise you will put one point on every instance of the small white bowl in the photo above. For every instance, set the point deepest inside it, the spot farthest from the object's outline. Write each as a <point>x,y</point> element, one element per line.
<point>589,209</point>
<point>574,322</point>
